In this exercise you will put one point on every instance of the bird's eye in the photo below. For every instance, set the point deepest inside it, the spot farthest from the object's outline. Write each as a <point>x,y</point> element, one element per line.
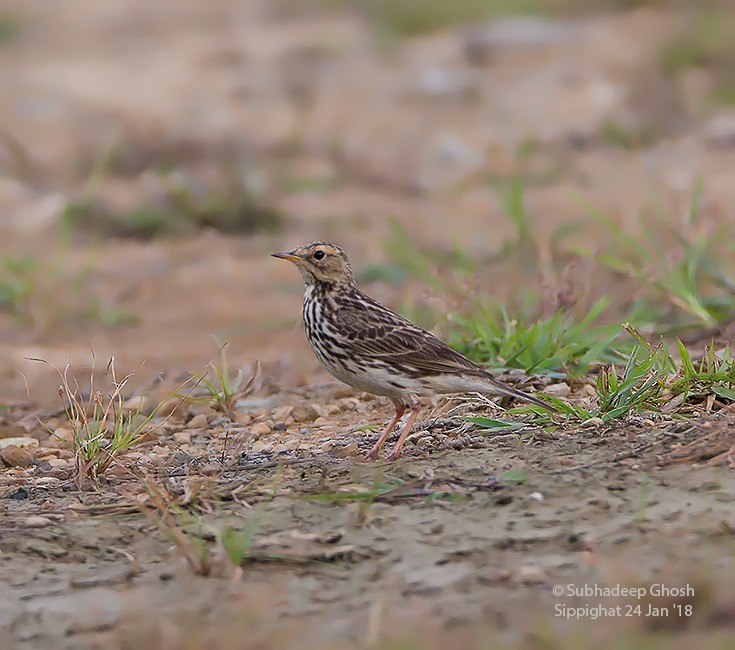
<point>319,255</point>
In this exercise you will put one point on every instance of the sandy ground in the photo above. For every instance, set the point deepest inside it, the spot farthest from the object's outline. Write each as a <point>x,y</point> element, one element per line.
<point>344,136</point>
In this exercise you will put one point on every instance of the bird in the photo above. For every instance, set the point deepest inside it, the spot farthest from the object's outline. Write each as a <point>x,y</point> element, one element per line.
<point>371,348</point>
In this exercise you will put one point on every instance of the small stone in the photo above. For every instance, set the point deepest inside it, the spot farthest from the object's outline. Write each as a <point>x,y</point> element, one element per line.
<point>260,429</point>
<point>182,437</point>
<point>14,456</point>
<point>320,422</point>
<point>346,451</point>
<point>343,390</point>
<point>348,403</point>
<point>558,390</point>
<point>536,496</point>
<point>36,521</point>
<point>243,419</point>
<point>58,463</point>
<point>137,404</point>
<point>18,442</point>
<point>62,434</point>
<point>199,421</point>
<point>304,413</point>
<point>530,575</point>
<point>589,390</point>
<point>280,427</point>
<point>592,423</point>
<point>261,446</point>
<point>281,413</point>
<point>17,495</point>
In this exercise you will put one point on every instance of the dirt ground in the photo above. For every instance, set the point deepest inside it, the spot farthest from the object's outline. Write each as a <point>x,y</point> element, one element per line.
<point>344,136</point>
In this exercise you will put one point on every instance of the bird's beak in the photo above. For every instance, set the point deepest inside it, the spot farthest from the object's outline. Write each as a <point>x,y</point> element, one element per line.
<point>287,256</point>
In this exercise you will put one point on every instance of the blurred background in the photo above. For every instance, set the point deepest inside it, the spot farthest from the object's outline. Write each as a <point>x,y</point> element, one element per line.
<point>153,154</point>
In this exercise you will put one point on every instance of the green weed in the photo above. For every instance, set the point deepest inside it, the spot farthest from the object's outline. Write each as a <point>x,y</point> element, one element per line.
<point>219,389</point>
<point>182,204</point>
<point>10,27</point>
<point>102,424</point>
<point>39,293</point>
<point>407,18</point>
<point>706,41</point>
<point>687,278</point>
<point>557,346</point>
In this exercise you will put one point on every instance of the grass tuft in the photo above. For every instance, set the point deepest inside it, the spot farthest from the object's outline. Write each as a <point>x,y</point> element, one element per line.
<point>557,346</point>
<point>679,286</point>
<point>220,390</point>
<point>103,427</point>
<point>40,294</point>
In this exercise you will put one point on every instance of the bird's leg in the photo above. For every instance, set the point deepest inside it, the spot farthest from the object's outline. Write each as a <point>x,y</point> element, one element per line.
<point>400,410</point>
<point>415,408</point>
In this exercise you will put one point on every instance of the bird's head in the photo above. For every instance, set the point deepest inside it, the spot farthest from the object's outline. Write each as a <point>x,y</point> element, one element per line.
<point>320,262</point>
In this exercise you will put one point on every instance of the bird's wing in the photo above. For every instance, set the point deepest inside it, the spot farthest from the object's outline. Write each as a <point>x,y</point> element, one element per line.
<point>375,331</point>
<point>387,335</point>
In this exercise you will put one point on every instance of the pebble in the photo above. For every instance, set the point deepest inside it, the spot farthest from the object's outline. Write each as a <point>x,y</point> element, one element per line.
<point>346,451</point>
<point>18,442</point>
<point>58,463</point>
<point>243,419</point>
<point>536,496</point>
<point>282,412</point>
<point>182,437</point>
<point>561,389</point>
<point>260,429</point>
<point>36,521</point>
<point>47,481</point>
<point>14,456</point>
<point>260,446</point>
<point>530,575</point>
<point>199,421</point>
<point>593,422</point>
<point>304,413</point>
<point>348,403</point>
<point>62,436</point>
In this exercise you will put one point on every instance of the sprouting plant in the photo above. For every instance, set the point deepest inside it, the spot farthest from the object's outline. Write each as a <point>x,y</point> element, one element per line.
<point>102,428</point>
<point>689,279</point>
<point>558,345</point>
<point>220,390</point>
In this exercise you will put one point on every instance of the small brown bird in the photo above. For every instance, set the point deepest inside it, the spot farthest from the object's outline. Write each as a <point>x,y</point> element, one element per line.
<point>369,347</point>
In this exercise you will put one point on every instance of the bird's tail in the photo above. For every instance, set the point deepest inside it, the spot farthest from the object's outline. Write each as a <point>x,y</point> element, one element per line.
<point>503,389</point>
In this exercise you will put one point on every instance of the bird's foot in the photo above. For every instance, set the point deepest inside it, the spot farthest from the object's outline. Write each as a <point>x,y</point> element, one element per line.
<point>394,455</point>
<point>373,453</point>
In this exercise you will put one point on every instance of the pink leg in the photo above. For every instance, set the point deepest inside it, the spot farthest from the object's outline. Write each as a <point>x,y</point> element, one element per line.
<point>406,430</point>
<point>400,410</point>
